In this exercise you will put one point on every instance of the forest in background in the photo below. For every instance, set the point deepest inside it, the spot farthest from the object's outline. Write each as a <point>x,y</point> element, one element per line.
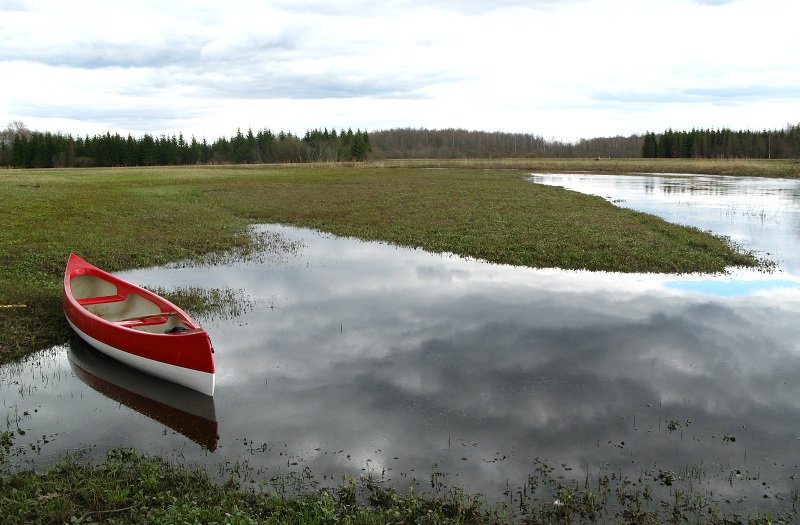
<point>22,148</point>
<point>700,144</point>
<point>411,143</point>
<point>724,144</point>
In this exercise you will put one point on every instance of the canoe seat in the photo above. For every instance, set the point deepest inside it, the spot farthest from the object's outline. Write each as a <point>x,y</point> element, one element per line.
<point>138,323</point>
<point>100,299</point>
<point>156,325</point>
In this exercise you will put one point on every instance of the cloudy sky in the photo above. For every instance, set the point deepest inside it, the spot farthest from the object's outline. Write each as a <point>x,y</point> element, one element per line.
<point>562,69</point>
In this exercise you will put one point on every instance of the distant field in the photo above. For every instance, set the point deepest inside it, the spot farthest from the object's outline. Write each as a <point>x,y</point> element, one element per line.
<point>132,217</point>
<point>785,168</point>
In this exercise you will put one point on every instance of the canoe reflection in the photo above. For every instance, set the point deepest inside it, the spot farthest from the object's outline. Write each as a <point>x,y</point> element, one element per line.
<point>181,409</point>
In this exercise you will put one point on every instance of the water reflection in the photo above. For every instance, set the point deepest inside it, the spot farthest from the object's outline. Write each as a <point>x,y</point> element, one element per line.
<point>362,356</point>
<point>185,411</point>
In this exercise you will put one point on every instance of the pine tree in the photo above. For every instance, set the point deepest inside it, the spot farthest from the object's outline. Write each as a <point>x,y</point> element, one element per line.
<point>650,146</point>
<point>360,146</point>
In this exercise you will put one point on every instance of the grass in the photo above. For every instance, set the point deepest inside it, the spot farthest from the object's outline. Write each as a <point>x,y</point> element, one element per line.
<point>134,217</point>
<point>128,487</point>
<point>206,304</point>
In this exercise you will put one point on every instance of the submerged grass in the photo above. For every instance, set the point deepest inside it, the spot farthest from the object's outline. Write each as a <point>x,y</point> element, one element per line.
<point>134,217</point>
<point>128,487</point>
<point>206,304</point>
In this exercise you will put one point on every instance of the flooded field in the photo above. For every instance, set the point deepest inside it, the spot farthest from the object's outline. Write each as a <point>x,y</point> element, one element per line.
<point>758,213</point>
<point>348,357</point>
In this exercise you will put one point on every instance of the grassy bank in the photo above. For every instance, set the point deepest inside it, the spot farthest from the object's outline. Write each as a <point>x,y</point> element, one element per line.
<point>134,217</point>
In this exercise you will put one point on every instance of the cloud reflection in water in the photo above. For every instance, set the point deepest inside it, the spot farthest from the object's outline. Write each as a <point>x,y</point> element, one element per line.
<point>374,347</point>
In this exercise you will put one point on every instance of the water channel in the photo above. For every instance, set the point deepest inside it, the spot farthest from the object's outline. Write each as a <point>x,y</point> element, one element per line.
<point>355,357</point>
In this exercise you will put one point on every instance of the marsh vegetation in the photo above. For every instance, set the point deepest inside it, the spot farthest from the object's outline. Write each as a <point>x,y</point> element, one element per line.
<point>127,487</point>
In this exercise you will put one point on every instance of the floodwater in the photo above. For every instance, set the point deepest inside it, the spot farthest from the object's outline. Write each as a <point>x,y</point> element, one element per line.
<point>759,213</point>
<point>355,357</point>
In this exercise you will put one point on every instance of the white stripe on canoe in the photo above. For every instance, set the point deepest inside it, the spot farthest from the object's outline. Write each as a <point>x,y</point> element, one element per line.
<point>194,379</point>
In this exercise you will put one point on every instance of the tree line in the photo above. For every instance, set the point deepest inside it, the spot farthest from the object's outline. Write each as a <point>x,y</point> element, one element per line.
<point>461,143</point>
<point>723,143</point>
<point>23,148</point>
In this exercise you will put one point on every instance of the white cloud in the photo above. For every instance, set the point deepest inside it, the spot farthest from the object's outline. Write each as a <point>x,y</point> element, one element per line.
<point>558,69</point>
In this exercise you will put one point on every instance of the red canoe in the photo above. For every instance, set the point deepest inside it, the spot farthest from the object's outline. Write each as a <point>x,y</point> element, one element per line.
<point>137,327</point>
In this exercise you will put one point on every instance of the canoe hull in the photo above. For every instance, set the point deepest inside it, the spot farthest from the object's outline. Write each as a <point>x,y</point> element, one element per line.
<point>194,379</point>
<point>183,357</point>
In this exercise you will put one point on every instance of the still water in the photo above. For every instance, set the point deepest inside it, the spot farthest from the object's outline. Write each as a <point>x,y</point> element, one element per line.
<point>761,214</point>
<point>356,357</point>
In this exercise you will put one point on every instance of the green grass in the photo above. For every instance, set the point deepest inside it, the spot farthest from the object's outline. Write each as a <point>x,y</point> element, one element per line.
<point>134,217</point>
<point>128,487</point>
<point>205,304</point>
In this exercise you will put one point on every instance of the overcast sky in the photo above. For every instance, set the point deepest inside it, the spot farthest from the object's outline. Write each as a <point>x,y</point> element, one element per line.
<point>562,69</point>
